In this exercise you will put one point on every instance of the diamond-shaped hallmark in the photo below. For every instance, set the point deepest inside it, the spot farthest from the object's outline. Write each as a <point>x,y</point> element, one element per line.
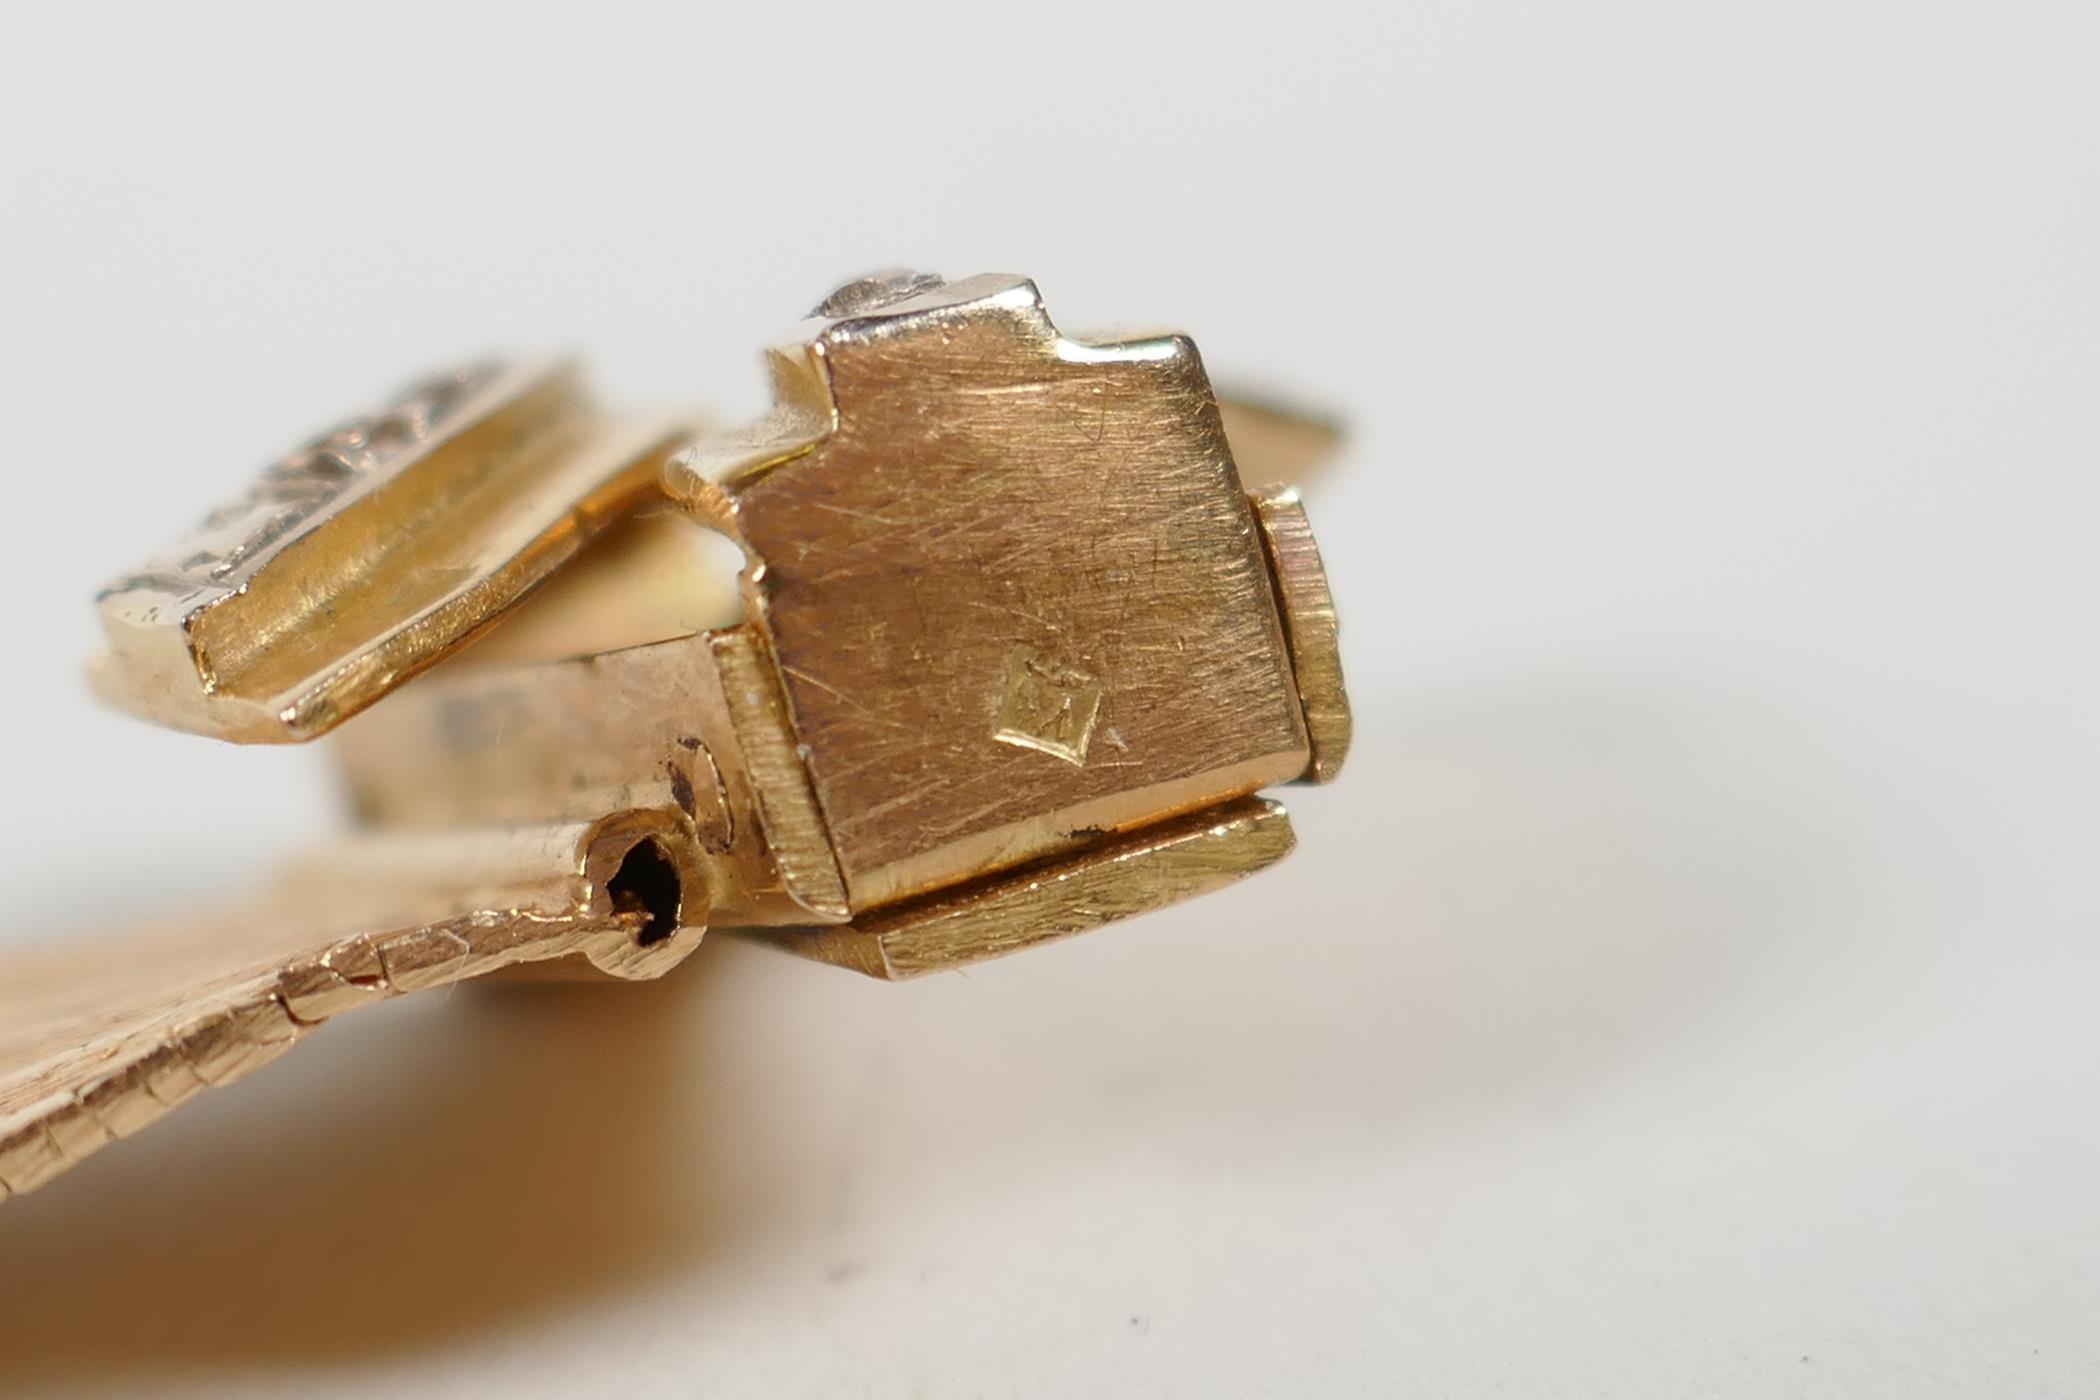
<point>1048,707</point>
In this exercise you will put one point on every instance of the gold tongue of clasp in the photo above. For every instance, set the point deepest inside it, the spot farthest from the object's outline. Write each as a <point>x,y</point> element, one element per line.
<point>371,553</point>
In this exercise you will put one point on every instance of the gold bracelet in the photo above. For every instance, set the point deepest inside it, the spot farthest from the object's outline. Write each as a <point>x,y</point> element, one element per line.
<point>1011,653</point>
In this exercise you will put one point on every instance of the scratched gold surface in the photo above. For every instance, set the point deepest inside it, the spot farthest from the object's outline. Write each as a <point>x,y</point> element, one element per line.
<point>1066,538</point>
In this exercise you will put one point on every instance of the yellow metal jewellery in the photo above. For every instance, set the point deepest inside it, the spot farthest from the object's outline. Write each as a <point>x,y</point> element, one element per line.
<point>1011,652</point>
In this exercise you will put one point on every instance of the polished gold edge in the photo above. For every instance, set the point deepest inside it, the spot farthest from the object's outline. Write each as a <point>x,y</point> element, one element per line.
<point>1310,626</point>
<point>364,584</point>
<point>602,483</point>
<point>772,763</point>
<point>1118,879</point>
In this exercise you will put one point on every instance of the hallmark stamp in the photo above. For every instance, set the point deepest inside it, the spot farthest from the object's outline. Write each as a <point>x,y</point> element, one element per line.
<point>1048,707</point>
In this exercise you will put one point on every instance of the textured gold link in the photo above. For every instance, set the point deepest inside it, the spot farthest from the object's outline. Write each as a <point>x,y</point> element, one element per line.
<point>103,1037</point>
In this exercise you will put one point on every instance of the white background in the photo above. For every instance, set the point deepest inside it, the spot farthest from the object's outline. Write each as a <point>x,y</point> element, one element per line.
<point>1688,990</point>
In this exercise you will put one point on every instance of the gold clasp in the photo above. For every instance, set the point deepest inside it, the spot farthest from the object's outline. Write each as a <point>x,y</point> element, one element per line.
<point>1010,652</point>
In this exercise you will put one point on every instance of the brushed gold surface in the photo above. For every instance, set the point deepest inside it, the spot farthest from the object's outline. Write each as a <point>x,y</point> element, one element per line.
<point>947,592</point>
